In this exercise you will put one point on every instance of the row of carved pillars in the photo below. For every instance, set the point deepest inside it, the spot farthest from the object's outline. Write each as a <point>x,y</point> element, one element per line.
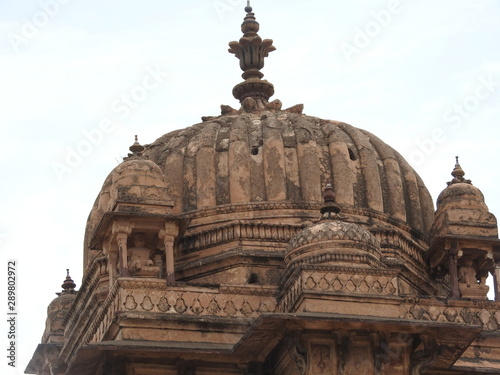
<point>453,272</point>
<point>168,235</point>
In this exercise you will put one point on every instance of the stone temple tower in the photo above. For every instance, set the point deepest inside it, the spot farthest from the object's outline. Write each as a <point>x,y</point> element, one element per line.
<point>267,242</point>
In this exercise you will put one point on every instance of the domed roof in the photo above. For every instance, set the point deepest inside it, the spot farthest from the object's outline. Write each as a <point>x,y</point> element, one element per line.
<point>57,310</point>
<point>332,230</point>
<point>460,195</point>
<point>333,242</point>
<point>461,209</point>
<point>136,180</point>
<point>269,164</point>
<point>282,156</point>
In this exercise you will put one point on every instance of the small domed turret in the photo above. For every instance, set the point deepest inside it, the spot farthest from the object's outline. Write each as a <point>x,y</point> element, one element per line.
<point>137,185</point>
<point>57,310</point>
<point>332,241</point>
<point>461,209</point>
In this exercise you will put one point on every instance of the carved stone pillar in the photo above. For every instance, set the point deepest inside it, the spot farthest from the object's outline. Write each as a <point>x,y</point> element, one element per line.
<point>122,254</point>
<point>343,342</point>
<point>496,281</point>
<point>452,266</point>
<point>169,235</point>
<point>112,268</point>
<point>169,258</point>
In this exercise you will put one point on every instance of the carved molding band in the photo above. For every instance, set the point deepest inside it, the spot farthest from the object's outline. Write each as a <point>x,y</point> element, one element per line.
<point>302,206</point>
<point>356,281</point>
<point>195,303</point>
<point>336,282</point>
<point>239,231</point>
<point>94,272</point>
<point>395,240</point>
<point>487,315</point>
<point>133,295</point>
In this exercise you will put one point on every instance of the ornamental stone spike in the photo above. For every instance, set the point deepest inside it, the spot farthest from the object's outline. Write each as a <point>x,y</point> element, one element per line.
<point>136,150</point>
<point>330,209</point>
<point>68,284</point>
<point>458,174</point>
<point>251,51</point>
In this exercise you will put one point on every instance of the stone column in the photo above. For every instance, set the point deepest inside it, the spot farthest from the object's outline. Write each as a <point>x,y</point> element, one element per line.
<point>452,266</point>
<point>169,258</point>
<point>122,254</point>
<point>112,267</point>
<point>496,281</point>
<point>169,235</point>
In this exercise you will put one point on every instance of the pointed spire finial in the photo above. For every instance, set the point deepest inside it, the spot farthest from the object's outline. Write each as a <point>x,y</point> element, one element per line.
<point>458,174</point>
<point>68,284</point>
<point>136,149</point>
<point>251,51</point>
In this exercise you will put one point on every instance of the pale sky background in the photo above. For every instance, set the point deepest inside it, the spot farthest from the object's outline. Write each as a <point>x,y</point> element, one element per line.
<point>428,74</point>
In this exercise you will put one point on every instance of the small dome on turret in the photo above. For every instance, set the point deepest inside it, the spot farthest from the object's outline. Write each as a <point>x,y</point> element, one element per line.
<point>333,241</point>
<point>136,180</point>
<point>136,185</point>
<point>461,209</point>
<point>57,310</point>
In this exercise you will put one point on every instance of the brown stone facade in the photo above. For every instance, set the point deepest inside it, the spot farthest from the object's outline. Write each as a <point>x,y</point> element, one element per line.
<point>267,242</point>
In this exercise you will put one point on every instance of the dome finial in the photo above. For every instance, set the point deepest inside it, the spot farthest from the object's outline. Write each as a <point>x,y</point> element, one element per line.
<point>329,194</point>
<point>458,174</point>
<point>68,284</point>
<point>248,8</point>
<point>136,149</point>
<point>330,210</point>
<point>251,51</point>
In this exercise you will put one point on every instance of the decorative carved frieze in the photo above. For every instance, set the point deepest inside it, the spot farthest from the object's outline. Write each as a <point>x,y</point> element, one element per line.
<point>485,314</point>
<point>307,210</point>
<point>87,305</point>
<point>153,296</point>
<point>350,283</point>
<point>93,274</point>
<point>196,303</point>
<point>392,241</point>
<point>338,280</point>
<point>239,231</point>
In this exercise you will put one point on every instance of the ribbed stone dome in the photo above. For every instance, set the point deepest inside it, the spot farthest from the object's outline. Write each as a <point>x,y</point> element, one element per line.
<point>245,182</point>
<point>280,156</point>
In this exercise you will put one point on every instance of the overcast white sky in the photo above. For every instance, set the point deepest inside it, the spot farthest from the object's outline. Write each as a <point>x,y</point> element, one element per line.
<point>422,75</point>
